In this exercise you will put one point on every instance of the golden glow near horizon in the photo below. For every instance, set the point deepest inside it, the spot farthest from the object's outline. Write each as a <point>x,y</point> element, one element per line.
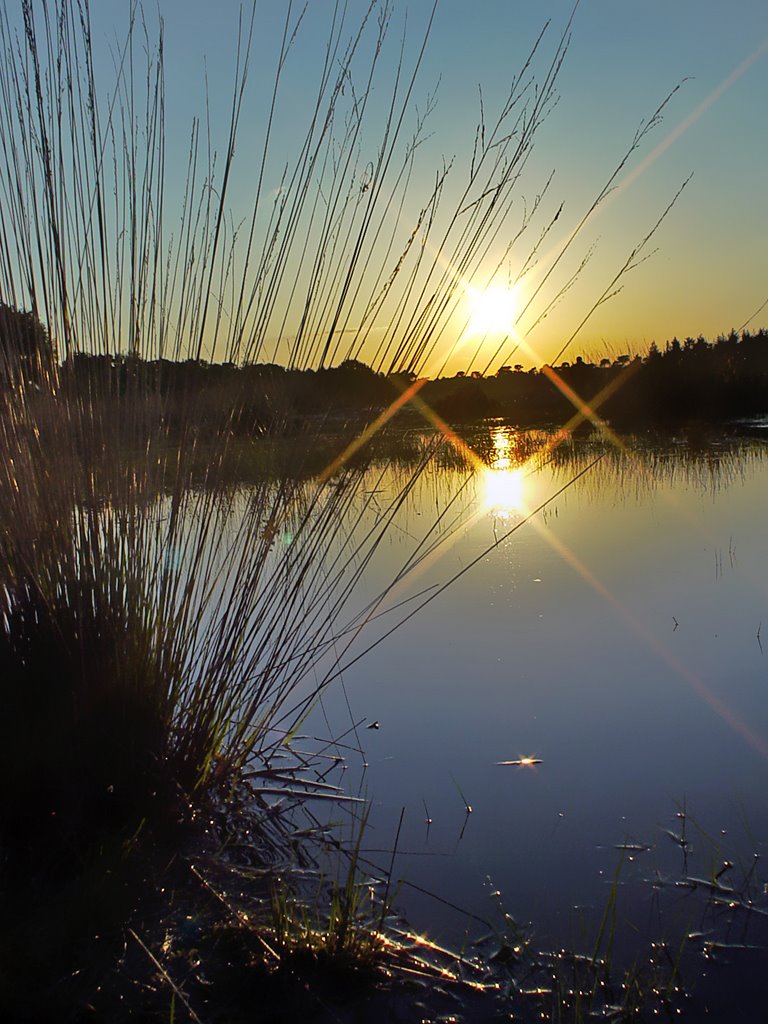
<point>493,310</point>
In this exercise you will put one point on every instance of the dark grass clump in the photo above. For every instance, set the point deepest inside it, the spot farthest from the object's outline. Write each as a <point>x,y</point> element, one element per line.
<point>82,739</point>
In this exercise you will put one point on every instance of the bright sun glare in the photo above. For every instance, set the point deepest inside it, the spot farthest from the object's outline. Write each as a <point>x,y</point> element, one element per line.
<point>504,488</point>
<point>503,481</point>
<point>493,311</point>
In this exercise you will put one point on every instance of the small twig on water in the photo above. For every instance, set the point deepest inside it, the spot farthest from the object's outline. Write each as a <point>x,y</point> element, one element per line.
<point>166,977</point>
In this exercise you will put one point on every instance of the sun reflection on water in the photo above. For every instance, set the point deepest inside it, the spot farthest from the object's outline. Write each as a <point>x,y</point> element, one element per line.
<point>504,489</point>
<point>503,480</point>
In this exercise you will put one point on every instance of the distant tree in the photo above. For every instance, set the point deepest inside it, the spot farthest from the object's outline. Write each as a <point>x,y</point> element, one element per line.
<point>355,366</point>
<point>674,350</point>
<point>26,353</point>
<point>402,376</point>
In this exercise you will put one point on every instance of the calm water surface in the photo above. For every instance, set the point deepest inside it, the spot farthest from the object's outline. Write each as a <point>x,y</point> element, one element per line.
<point>618,637</point>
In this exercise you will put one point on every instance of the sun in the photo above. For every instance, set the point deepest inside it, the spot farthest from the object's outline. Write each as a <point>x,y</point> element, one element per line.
<point>493,311</point>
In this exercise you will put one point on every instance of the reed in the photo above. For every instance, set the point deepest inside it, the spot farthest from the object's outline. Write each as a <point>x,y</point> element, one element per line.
<point>163,629</point>
<point>156,619</point>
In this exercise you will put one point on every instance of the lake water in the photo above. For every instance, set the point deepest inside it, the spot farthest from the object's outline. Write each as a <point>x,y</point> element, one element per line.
<point>619,638</point>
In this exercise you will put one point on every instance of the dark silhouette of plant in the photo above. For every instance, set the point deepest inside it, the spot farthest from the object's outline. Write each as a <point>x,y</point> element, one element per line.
<point>26,352</point>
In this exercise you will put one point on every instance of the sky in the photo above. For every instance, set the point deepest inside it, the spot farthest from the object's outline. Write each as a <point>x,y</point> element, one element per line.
<point>707,268</point>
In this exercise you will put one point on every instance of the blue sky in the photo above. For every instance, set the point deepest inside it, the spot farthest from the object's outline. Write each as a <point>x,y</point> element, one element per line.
<point>710,272</point>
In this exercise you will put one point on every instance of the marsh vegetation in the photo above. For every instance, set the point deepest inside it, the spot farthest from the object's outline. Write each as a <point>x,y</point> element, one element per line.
<point>190,567</point>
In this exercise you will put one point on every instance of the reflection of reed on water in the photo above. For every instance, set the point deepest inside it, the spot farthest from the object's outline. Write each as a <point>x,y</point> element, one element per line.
<point>637,462</point>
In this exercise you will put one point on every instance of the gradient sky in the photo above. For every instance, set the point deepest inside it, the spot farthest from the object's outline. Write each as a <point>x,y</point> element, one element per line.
<point>711,269</point>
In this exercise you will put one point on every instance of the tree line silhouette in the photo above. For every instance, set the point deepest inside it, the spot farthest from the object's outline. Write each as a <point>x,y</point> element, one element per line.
<point>694,380</point>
